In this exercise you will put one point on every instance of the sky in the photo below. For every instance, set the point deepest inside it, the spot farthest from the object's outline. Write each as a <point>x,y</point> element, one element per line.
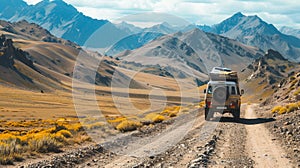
<point>209,12</point>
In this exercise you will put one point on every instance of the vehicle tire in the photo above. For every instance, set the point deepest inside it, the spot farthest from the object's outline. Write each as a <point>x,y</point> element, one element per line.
<point>236,114</point>
<point>208,115</point>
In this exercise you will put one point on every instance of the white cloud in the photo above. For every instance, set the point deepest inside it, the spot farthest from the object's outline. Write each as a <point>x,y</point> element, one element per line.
<point>32,1</point>
<point>209,12</point>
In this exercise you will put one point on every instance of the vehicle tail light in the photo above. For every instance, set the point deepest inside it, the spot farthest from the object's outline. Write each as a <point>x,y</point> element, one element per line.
<point>208,104</point>
<point>232,105</point>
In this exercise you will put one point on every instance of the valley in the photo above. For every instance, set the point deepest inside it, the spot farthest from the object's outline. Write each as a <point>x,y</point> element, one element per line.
<point>82,92</point>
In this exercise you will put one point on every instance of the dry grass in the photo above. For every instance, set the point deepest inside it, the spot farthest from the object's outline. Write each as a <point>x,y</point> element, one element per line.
<point>156,118</point>
<point>291,107</point>
<point>297,92</point>
<point>128,125</point>
<point>171,111</point>
<point>16,145</point>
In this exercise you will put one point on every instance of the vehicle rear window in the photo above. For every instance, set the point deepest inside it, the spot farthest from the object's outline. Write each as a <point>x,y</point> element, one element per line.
<point>233,90</point>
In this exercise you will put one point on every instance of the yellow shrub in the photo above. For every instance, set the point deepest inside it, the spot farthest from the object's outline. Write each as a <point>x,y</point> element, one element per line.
<point>74,127</point>
<point>292,107</point>
<point>171,111</point>
<point>172,114</point>
<point>116,121</point>
<point>157,118</point>
<point>128,125</point>
<point>94,125</point>
<point>65,133</point>
<point>282,110</point>
<point>43,143</point>
<point>276,109</point>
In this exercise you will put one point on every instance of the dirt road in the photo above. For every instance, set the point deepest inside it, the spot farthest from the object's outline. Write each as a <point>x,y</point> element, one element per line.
<point>246,143</point>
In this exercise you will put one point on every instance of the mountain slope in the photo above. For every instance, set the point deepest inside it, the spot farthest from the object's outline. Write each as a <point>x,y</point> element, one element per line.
<point>190,54</point>
<point>61,19</point>
<point>252,30</point>
<point>290,31</point>
<point>30,62</point>
<point>9,8</point>
<point>266,74</point>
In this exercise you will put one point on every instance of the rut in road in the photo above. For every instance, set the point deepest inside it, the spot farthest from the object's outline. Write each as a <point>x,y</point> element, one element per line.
<point>261,148</point>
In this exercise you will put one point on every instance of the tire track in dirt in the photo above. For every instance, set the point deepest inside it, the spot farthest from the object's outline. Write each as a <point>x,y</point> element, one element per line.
<point>261,148</point>
<point>177,154</point>
<point>231,147</point>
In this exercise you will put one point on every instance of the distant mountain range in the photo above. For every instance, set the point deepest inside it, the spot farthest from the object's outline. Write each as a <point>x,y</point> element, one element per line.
<point>63,20</point>
<point>249,30</point>
<point>190,54</point>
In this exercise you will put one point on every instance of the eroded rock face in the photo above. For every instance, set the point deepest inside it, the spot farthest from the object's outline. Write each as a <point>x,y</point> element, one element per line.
<point>8,53</point>
<point>6,56</point>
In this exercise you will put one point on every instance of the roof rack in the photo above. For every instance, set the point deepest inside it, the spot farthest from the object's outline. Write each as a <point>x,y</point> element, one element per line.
<point>223,74</point>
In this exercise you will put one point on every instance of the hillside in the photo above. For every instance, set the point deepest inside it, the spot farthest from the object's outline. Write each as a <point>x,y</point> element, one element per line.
<point>265,75</point>
<point>32,58</point>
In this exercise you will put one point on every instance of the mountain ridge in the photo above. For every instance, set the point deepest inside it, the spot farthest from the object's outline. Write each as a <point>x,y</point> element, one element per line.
<point>252,30</point>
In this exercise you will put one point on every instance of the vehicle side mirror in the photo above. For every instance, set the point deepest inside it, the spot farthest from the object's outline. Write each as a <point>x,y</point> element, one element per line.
<point>242,91</point>
<point>204,91</point>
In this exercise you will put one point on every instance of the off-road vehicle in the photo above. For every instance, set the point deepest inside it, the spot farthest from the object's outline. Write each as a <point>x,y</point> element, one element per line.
<point>223,93</point>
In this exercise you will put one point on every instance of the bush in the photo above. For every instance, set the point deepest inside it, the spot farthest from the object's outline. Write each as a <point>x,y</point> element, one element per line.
<point>128,125</point>
<point>292,107</point>
<point>156,118</point>
<point>282,110</point>
<point>44,143</point>
<point>276,109</point>
<point>65,133</point>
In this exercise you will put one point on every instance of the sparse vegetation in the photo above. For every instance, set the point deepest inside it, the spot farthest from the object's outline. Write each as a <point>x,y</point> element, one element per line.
<point>156,118</point>
<point>171,111</point>
<point>291,107</point>
<point>47,136</point>
<point>50,135</point>
<point>128,125</point>
<point>297,92</point>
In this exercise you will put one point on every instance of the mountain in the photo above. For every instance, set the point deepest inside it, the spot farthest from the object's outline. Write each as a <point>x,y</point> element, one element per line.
<point>30,31</point>
<point>32,58</point>
<point>132,42</point>
<point>266,74</point>
<point>190,54</point>
<point>252,30</point>
<point>139,37</point>
<point>10,8</point>
<point>164,28</point>
<point>62,20</point>
<point>290,31</point>
<point>128,28</point>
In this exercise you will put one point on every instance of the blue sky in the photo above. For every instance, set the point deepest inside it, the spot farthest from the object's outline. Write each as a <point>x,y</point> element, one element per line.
<point>278,12</point>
